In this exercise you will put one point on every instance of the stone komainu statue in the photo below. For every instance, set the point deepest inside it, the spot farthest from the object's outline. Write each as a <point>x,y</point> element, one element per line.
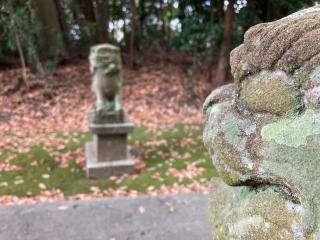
<point>263,133</point>
<point>106,67</point>
<point>108,154</point>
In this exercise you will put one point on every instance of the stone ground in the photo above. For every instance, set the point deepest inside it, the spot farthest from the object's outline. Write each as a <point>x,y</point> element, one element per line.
<point>161,218</point>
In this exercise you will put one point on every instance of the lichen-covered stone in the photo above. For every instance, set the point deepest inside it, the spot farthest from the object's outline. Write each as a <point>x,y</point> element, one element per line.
<point>263,134</point>
<point>264,213</point>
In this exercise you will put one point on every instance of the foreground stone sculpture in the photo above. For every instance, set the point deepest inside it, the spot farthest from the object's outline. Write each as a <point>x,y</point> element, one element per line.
<point>107,155</point>
<point>263,133</point>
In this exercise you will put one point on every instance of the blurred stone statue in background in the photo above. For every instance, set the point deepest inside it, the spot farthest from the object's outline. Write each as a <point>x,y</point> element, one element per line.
<point>263,133</point>
<point>106,67</point>
<point>108,154</point>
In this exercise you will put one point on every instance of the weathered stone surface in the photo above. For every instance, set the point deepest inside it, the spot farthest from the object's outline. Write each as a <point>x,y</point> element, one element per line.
<point>108,155</point>
<point>105,117</point>
<point>102,169</point>
<point>110,147</point>
<point>263,133</point>
<point>112,128</point>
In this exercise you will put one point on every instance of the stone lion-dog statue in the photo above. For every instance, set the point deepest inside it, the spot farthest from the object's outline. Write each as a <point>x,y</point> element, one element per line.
<point>263,134</point>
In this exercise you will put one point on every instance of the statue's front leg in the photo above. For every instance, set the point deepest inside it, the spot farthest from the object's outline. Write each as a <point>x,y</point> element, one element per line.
<point>117,102</point>
<point>97,88</point>
<point>100,100</point>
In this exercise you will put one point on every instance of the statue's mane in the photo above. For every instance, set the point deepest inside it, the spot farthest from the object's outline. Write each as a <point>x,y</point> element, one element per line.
<point>291,44</point>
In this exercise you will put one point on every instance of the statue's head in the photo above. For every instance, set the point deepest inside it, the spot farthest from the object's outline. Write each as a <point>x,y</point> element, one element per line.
<point>103,55</point>
<point>264,130</point>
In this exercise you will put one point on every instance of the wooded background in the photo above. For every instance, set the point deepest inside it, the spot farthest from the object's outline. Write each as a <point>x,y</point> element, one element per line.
<point>40,34</point>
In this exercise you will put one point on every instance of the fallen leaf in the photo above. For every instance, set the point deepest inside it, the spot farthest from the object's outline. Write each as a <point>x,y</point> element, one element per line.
<point>62,208</point>
<point>45,176</point>
<point>18,182</point>
<point>142,210</point>
<point>3,184</point>
<point>42,186</point>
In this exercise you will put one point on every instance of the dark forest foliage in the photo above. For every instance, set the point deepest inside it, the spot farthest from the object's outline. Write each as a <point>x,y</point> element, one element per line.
<point>42,33</point>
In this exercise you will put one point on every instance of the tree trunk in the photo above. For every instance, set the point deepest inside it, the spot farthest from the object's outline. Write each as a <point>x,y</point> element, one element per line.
<point>20,51</point>
<point>23,63</point>
<point>102,20</point>
<point>64,28</point>
<point>169,20</point>
<point>181,7</point>
<point>51,34</point>
<point>142,16</point>
<point>212,11</point>
<point>163,25</point>
<point>262,9</point>
<point>211,60</point>
<point>88,10</point>
<point>215,11</point>
<point>221,73</point>
<point>269,12</point>
<point>124,27</point>
<point>132,53</point>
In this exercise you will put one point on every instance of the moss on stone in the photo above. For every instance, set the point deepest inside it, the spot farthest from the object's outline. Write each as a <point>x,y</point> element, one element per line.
<point>269,92</point>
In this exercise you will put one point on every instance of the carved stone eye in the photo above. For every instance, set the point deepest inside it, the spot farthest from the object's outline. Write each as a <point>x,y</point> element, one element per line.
<point>270,92</point>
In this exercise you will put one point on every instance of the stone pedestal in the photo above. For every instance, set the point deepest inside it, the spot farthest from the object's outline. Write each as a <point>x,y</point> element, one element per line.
<point>108,155</point>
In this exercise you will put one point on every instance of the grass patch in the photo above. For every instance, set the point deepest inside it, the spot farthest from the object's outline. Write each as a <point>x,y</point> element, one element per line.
<point>171,148</point>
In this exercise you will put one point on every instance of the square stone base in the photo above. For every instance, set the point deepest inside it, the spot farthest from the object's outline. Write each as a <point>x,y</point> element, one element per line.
<point>106,117</point>
<point>95,169</point>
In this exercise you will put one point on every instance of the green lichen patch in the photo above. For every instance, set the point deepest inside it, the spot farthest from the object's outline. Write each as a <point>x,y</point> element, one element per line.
<point>293,132</point>
<point>297,167</point>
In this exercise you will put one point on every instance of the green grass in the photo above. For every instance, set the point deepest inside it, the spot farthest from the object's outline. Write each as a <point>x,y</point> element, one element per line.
<point>160,149</point>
